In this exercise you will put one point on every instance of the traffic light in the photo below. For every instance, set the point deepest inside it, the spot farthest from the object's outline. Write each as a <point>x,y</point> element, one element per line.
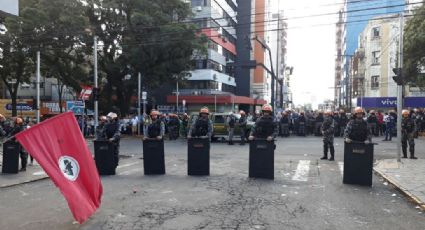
<point>398,78</point>
<point>95,94</point>
<point>34,104</point>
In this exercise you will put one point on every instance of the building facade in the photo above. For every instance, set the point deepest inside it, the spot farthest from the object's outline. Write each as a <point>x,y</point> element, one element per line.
<point>356,16</point>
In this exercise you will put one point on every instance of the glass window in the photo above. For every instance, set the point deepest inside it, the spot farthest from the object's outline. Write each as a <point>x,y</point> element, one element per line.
<point>375,82</point>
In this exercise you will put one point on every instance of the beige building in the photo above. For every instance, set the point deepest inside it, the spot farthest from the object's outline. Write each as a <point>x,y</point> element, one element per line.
<point>376,56</point>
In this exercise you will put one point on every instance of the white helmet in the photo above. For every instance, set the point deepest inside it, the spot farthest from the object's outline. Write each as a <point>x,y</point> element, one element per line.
<point>112,115</point>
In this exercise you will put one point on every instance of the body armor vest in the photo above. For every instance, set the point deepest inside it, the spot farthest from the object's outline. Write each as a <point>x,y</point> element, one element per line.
<point>358,131</point>
<point>264,127</point>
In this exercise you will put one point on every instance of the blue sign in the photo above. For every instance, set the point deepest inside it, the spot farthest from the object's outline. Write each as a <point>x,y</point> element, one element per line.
<point>20,107</point>
<point>390,102</point>
<point>77,107</point>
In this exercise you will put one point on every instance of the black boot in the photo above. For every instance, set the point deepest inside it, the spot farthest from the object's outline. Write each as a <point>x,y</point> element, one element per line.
<point>332,153</point>
<point>404,153</point>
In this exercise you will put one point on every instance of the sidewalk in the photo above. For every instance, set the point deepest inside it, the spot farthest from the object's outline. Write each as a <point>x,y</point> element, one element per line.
<point>33,173</point>
<point>408,176</point>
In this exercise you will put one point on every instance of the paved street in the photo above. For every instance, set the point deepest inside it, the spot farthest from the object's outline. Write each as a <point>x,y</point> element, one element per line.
<point>306,194</point>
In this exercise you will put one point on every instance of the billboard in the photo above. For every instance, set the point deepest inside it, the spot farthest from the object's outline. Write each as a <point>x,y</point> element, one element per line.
<point>23,108</point>
<point>75,106</point>
<point>390,102</point>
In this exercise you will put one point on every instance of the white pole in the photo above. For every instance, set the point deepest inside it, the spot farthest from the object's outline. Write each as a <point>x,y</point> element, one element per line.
<point>177,96</point>
<point>215,103</point>
<point>139,90</point>
<point>400,91</point>
<point>38,87</point>
<point>96,103</point>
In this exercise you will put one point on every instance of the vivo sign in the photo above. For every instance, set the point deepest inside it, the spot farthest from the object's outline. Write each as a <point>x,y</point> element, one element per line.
<point>390,102</point>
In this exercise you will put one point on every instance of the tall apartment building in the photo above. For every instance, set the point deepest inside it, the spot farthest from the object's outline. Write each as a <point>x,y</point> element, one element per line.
<point>356,16</point>
<point>213,82</point>
<point>339,59</point>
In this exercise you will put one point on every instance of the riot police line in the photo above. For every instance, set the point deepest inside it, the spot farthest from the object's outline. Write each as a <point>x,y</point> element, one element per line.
<point>261,138</point>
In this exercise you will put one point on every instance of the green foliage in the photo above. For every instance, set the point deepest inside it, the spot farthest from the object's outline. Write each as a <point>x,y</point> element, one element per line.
<point>414,46</point>
<point>146,36</point>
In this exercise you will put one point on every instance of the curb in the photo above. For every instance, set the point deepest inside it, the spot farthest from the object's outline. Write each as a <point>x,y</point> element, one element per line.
<point>404,191</point>
<point>24,182</point>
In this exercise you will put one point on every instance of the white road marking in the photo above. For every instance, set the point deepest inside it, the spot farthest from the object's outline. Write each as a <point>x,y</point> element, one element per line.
<point>39,173</point>
<point>131,171</point>
<point>301,173</point>
<point>127,165</point>
<point>341,167</point>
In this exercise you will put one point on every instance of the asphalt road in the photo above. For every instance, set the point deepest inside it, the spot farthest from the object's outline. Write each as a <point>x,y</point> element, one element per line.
<point>306,194</point>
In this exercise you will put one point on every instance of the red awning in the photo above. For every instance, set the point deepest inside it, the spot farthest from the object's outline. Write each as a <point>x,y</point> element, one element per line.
<point>211,99</point>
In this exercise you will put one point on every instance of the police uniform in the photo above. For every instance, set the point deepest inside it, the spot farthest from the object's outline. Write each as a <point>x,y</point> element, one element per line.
<point>155,129</point>
<point>201,127</point>
<point>407,136</point>
<point>111,131</point>
<point>284,124</point>
<point>327,130</point>
<point>264,127</point>
<point>242,122</point>
<point>231,122</point>
<point>301,125</point>
<point>357,130</point>
<point>173,127</point>
<point>22,153</point>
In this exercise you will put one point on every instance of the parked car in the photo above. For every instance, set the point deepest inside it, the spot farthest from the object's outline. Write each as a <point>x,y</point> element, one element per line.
<point>220,125</point>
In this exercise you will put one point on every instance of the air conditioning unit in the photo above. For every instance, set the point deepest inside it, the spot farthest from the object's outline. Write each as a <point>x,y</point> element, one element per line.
<point>198,8</point>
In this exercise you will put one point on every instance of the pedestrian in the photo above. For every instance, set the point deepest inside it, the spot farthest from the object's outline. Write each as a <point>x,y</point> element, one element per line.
<point>337,129</point>
<point>407,134</point>
<point>17,128</point>
<point>230,122</point>
<point>390,122</point>
<point>202,126</point>
<point>327,131</point>
<point>265,127</point>
<point>242,123</point>
<point>100,135</point>
<point>156,127</point>
<point>184,125</point>
<point>318,123</point>
<point>134,125</point>
<point>372,122</point>
<point>357,129</point>
<point>380,117</point>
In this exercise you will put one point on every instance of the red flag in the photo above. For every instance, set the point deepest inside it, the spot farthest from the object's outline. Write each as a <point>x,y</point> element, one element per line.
<point>59,147</point>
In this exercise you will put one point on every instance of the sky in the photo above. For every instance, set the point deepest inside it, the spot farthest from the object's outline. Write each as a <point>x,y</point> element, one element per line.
<point>311,48</point>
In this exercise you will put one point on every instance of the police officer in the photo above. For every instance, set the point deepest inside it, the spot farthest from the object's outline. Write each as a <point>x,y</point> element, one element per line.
<point>17,128</point>
<point>357,129</point>
<point>284,124</point>
<point>184,125</point>
<point>202,127</point>
<point>111,132</point>
<point>156,128</point>
<point>231,122</point>
<point>173,126</point>
<point>242,122</point>
<point>327,130</point>
<point>407,134</point>
<point>101,128</point>
<point>342,122</point>
<point>301,124</point>
<point>265,127</point>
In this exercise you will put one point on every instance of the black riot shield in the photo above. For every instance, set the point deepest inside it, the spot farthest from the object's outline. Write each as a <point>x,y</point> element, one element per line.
<point>11,151</point>
<point>104,156</point>
<point>153,157</point>
<point>358,163</point>
<point>261,159</point>
<point>198,157</point>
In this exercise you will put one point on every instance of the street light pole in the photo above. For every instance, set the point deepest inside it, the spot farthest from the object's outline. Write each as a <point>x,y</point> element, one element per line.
<point>139,91</point>
<point>400,91</point>
<point>38,87</point>
<point>96,102</point>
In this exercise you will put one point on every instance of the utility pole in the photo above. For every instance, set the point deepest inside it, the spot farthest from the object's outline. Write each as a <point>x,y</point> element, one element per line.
<point>38,87</point>
<point>278,31</point>
<point>400,90</point>
<point>177,96</point>
<point>96,102</point>
<point>139,91</point>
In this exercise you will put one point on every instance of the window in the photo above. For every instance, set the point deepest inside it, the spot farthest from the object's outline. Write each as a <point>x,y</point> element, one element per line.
<point>375,57</point>
<point>376,32</point>
<point>374,82</point>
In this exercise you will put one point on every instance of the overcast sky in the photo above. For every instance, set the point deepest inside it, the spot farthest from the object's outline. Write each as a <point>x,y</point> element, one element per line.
<point>311,48</point>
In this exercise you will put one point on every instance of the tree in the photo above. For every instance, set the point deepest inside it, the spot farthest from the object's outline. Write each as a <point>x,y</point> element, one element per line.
<point>146,36</point>
<point>17,53</point>
<point>414,46</point>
